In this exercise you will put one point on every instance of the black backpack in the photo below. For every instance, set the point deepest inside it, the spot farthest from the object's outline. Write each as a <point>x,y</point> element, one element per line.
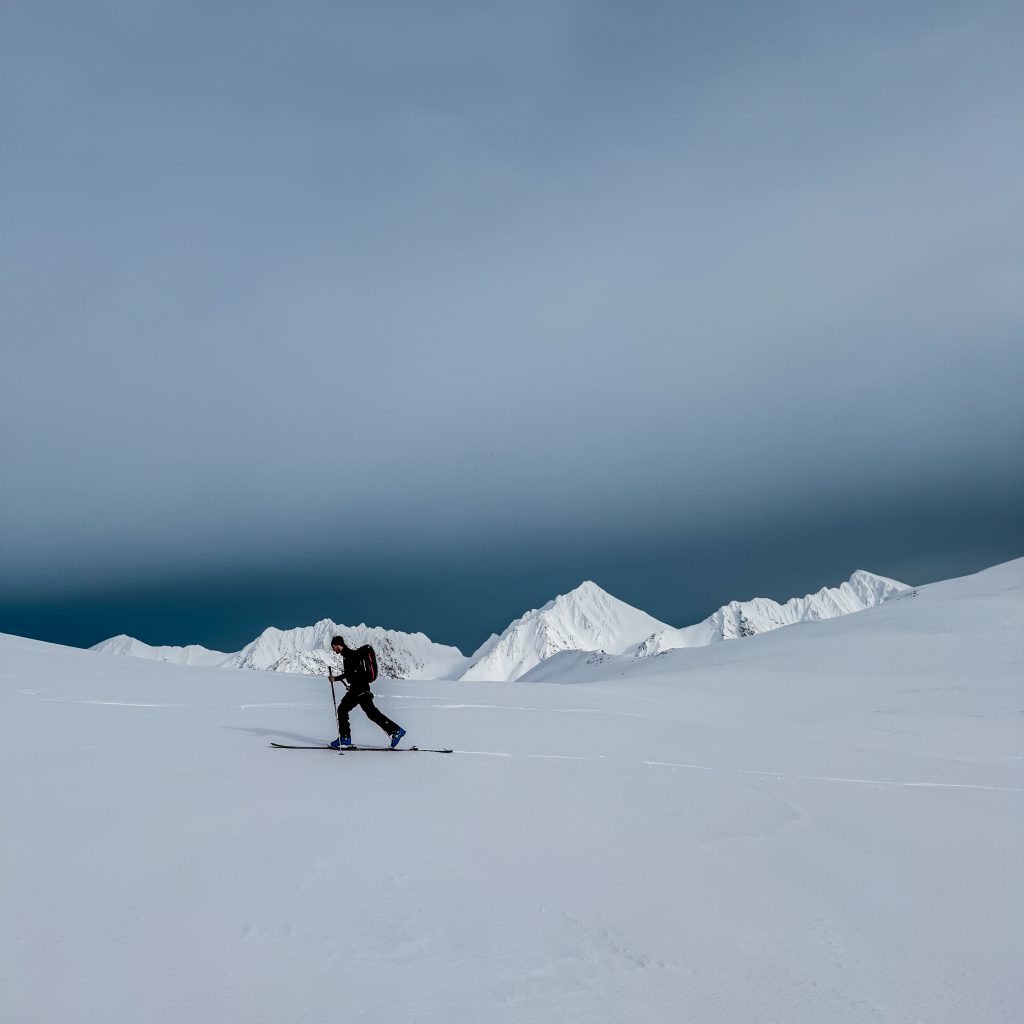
<point>364,671</point>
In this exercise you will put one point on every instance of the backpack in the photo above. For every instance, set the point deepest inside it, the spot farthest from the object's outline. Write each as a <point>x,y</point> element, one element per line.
<point>364,671</point>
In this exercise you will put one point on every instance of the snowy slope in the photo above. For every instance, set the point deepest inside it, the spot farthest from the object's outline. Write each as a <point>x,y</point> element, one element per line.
<point>586,619</point>
<point>565,666</point>
<point>821,824</point>
<point>741,619</point>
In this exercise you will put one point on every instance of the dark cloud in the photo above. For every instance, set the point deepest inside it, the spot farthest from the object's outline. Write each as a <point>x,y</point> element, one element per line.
<point>458,594</point>
<point>501,293</point>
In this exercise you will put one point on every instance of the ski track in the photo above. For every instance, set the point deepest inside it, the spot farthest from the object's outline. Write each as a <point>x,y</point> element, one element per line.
<point>545,757</point>
<point>113,703</point>
<point>275,707</point>
<point>765,773</point>
<point>555,711</point>
<point>836,778</point>
<point>755,771</point>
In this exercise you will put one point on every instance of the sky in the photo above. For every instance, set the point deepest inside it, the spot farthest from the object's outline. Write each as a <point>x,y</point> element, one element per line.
<point>420,313</point>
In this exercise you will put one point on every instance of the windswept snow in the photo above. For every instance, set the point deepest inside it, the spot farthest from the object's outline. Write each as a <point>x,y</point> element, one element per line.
<point>820,824</point>
<point>586,619</point>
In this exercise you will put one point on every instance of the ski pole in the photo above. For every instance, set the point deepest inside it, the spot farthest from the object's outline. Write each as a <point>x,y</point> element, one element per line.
<point>334,704</point>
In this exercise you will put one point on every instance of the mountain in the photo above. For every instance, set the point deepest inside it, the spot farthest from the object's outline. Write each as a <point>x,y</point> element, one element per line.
<point>306,650</point>
<point>590,622</point>
<point>191,655</point>
<point>740,619</point>
<point>586,619</point>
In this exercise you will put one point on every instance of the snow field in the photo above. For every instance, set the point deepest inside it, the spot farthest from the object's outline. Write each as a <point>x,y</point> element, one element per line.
<point>821,824</point>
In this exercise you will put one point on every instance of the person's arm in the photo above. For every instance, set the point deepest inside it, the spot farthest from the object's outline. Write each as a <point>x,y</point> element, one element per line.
<point>336,679</point>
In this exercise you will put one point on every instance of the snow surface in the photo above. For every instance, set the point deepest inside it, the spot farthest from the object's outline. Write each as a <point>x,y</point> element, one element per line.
<point>822,824</point>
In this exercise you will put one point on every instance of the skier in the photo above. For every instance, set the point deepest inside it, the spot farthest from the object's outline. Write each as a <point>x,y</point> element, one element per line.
<point>360,669</point>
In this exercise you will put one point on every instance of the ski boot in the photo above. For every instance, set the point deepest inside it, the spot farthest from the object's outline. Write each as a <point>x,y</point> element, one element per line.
<point>396,737</point>
<point>338,744</point>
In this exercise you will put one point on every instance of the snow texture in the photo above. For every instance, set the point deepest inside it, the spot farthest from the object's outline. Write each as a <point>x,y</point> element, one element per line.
<point>821,825</point>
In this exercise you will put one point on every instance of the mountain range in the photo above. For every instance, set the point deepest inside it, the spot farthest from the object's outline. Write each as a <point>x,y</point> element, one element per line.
<point>586,625</point>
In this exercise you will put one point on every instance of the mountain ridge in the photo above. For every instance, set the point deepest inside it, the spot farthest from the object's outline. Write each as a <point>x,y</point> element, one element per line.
<point>587,620</point>
<point>739,619</point>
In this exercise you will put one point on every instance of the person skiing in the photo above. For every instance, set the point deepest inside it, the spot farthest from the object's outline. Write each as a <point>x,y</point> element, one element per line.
<point>360,669</point>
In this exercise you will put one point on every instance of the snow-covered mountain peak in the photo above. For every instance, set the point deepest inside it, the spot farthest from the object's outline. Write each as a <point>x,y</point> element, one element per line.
<point>193,654</point>
<point>587,590</point>
<point>588,599</point>
<point>873,589</point>
<point>587,618</point>
<point>739,619</point>
<point>307,649</point>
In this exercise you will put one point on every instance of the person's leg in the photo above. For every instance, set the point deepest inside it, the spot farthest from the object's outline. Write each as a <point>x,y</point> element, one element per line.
<point>348,702</point>
<point>375,715</point>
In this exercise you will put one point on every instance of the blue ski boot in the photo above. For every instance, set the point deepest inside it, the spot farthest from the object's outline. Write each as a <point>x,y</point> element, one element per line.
<point>339,743</point>
<point>396,737</point>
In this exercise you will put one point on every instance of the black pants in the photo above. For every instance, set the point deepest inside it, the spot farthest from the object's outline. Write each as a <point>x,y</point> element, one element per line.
<point>365,700</point>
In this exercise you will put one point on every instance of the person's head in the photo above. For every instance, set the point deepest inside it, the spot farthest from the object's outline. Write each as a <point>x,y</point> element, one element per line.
<point>337,644</point>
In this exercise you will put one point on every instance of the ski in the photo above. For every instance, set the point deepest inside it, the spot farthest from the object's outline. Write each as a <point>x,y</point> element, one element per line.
<point>400,750</point>
<point>346,750</point>
<point>287,746</point>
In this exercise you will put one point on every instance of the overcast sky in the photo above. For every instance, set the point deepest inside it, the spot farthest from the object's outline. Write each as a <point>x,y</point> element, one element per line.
<point>420,313</point>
